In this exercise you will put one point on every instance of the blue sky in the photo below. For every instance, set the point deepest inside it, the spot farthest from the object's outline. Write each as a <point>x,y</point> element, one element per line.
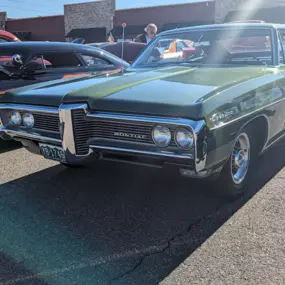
<point>34,8</point>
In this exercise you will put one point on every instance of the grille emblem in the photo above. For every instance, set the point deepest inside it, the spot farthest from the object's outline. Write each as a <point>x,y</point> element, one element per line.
<point>128,135</point>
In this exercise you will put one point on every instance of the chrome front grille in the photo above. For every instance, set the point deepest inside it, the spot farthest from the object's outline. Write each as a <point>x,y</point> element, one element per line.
<point>98,128</point>
<point>47,122</point>
<point>81,129</point>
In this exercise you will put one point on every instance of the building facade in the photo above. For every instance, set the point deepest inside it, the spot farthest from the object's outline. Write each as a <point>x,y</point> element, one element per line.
<point>99,14</point>
<point>3,19</point>
<point>38,29</point>
<point>94,20</point>
<point>267,10</point>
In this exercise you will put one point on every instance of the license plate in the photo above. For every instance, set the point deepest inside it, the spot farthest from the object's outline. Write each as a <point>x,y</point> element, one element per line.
<point>52,152</point>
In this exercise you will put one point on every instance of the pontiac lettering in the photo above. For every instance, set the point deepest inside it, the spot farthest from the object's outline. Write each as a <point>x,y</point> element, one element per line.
<point>128,135</point>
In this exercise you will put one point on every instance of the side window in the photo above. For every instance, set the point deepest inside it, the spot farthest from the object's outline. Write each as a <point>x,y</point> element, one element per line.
<point>179,46</point>
<point>281,46</point>
<point>91,60</point>
<point>37,62</point>
<point>60,60</point>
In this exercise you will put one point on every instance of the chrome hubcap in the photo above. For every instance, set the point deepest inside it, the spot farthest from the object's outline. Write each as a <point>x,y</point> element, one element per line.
<point>240,158</point>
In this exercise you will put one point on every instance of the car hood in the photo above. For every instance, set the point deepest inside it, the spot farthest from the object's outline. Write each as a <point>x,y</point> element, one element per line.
<point>174,91</point>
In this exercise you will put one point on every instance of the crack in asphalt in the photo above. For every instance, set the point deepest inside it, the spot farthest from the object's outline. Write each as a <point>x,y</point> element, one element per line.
<point>165,246</point>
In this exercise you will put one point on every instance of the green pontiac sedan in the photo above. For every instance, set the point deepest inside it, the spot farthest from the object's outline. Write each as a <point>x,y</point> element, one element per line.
<point>208,107</point>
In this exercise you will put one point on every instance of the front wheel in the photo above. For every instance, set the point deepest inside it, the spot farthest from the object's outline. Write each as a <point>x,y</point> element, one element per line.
<point>235,175</point>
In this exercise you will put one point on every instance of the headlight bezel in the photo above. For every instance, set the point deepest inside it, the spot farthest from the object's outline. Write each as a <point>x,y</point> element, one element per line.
<point>153,135</point>
<point>186,130</point>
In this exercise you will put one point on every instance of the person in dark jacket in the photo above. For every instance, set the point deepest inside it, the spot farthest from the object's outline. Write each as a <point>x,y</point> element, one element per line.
<point>150,33</point>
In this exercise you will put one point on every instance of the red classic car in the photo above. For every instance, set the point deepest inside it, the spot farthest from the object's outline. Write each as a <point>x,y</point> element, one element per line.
<point>7,37</point>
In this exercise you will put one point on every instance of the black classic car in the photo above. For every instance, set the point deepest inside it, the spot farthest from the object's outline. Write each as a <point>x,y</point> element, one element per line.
<point>27,63</point>
<point>131,50</point>
<point>207,114</point>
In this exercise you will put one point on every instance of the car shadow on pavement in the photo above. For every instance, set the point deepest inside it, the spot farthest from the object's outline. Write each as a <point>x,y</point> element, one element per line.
<point>111,223</point>
<point>9,145</point>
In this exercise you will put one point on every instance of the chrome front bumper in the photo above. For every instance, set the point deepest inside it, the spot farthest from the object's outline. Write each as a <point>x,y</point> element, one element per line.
<point>196,159</point>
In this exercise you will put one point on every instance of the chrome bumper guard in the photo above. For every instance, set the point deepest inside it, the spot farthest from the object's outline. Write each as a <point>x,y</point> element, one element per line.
<point>196,157</point>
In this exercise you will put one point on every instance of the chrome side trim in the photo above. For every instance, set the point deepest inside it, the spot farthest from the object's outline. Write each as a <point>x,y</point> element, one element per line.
<point>30,108</point>
<point>246,115</point>
<point>272,143</point>
<point>141,152</point>
<point>31,136</point>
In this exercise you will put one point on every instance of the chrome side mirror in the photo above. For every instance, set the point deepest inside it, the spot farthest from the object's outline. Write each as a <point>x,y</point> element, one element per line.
<point>17,60</point>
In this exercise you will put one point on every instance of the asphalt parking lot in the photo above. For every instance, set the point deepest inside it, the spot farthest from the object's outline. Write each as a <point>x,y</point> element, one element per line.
<point>124,224</point>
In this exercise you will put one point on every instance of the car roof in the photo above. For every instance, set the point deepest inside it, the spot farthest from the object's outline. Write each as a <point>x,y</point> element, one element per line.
<point>8,34</point>
<point>224,26</point>
<point>27,47</point>
<point>5,33</point>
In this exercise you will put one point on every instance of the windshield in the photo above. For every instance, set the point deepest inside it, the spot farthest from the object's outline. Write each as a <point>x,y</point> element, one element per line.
<point>220,46</point>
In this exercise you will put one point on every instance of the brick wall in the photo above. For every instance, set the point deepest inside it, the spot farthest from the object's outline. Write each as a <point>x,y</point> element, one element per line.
<point>96,14</point>
<point>161,15</point>
<point>41,28</point>
<point>3,18</point>
<point>223,7</point>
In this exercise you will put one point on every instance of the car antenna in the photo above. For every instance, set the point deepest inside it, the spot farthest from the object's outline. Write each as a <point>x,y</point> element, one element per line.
<point>124,25</point>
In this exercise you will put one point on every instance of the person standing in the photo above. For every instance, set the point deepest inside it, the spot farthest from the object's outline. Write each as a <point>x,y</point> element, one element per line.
<point>148,35</point>
<point>111,38</point>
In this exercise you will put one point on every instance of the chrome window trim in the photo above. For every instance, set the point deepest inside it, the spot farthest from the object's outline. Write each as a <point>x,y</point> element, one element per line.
<point>274,47</point>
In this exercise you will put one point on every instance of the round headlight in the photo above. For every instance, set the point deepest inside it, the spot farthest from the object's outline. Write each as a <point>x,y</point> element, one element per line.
<point>184,139</point>
<point>28,120</point>
<point>15,118</point>
<point>161,136</point>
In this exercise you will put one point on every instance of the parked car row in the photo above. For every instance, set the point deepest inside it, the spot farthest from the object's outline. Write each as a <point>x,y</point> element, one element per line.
<point>205,101</point>
<point>28,63</point>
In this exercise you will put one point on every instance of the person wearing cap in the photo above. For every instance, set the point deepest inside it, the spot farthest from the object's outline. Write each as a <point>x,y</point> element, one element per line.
<point>150,33</point>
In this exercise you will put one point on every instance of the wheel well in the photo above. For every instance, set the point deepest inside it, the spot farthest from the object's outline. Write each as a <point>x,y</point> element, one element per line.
<point>259,128</point>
